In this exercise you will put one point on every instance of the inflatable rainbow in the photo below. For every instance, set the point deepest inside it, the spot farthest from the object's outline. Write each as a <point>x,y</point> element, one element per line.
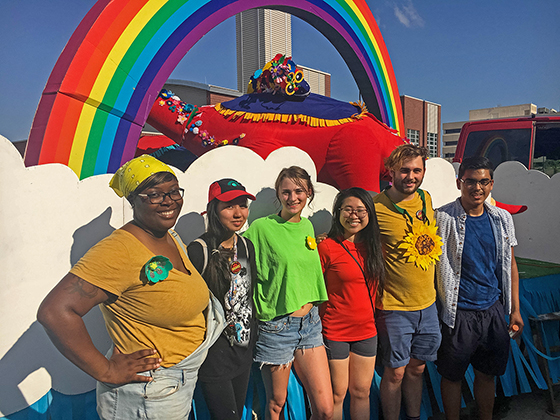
<point>102,87</point>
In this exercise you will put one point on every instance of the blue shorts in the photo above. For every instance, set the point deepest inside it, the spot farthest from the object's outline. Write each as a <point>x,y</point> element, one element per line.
<point>279,338</point>
<point>408,334</point>
<point>479,338</point>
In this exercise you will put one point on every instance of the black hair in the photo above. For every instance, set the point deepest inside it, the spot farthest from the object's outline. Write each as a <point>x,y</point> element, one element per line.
<point>217,273</point>
<point>476,162</point>
<point>369,235</point>
<point>150,182</point>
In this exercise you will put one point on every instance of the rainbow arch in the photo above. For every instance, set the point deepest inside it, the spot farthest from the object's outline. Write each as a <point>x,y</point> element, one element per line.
<point>101,89</point>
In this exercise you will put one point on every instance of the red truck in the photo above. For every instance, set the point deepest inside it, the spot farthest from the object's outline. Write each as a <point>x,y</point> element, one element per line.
<point>534,141</point>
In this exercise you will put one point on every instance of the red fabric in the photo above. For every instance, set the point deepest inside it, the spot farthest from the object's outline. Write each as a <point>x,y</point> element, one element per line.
<point>348,155</point>
<point>511,208</point>
<point>348,314</point>
<point>149,144</point>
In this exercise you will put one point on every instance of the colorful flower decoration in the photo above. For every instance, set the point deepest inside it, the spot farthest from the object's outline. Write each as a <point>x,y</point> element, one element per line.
<point>279,76</point>
<point>422,245</point>
<point>185,112</point>
<point>157,268</point>
<point>310,242</point>
<point>189,115</point>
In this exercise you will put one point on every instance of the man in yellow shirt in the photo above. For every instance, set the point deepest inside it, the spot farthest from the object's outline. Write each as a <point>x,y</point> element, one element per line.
<point>407,321</point>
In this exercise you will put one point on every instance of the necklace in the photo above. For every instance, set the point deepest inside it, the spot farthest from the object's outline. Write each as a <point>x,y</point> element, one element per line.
<point>421,243</point>
<point>234,266</point>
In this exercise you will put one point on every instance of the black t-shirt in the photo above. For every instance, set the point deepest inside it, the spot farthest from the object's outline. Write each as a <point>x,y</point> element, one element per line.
<point>226,361</point>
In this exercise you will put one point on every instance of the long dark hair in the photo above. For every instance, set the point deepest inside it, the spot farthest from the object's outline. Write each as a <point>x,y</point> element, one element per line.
<point>369,235</point>
<point>217,273</point>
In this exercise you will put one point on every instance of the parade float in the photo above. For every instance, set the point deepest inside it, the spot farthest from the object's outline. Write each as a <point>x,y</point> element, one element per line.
<point>89,120</point>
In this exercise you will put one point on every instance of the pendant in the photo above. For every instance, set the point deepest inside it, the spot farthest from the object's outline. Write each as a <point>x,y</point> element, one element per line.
<point>235,267</point>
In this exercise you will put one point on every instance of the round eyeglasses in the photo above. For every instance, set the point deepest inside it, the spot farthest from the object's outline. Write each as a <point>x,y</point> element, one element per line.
<point>159,197</point>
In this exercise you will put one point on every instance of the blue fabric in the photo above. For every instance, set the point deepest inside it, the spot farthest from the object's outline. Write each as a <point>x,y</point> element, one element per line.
<point>541,295</point>
<point>313,105</point>
<point>478,288</point>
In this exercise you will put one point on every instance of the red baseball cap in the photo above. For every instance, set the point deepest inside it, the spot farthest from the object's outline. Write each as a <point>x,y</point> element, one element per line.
<point>227,189</point>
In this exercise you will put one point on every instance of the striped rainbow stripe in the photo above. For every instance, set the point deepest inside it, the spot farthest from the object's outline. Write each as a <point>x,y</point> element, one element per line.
<point>101,89</point>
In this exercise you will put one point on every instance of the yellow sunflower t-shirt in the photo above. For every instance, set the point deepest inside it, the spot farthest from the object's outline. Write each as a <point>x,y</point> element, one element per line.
<point>407,286</point>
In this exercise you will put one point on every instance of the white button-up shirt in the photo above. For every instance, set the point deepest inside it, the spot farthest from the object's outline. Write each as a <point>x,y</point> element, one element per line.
<point>451,219</point>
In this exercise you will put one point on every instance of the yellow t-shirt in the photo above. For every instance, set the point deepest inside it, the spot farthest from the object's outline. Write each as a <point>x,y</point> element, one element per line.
<point>407,287</point>
<point>166,316</point>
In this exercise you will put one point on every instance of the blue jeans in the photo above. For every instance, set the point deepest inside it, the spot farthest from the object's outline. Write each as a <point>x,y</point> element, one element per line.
<point>168,396</point>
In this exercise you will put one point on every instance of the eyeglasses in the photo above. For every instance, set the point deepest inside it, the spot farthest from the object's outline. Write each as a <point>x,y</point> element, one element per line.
<point>159,197</point>
<point>348,211</point>
<point>472,183</point>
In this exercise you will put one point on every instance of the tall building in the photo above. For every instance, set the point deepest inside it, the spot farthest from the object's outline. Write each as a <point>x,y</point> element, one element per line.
<point>422,122</point>
<point>263,33</point>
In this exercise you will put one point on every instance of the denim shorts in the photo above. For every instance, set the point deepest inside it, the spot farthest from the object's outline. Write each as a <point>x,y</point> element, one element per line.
<point>279,338</point>
<point>479,338</point>
<point>408,334</point>
<point>169,394</point>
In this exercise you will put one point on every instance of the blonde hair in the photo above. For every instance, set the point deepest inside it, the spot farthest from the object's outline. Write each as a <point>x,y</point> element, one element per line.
<point>405,152</point>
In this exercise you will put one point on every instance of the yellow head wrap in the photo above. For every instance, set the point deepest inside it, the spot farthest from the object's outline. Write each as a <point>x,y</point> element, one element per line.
<point>134,172</point>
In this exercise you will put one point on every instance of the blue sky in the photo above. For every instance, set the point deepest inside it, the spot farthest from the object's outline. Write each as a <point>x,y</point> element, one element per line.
<point>460,54</point>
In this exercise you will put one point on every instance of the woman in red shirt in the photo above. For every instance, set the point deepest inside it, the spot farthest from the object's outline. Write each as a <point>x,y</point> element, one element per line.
<point>353,268</point>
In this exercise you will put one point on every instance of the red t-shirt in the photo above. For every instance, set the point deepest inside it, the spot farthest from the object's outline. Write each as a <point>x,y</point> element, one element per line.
<point>348,314</point>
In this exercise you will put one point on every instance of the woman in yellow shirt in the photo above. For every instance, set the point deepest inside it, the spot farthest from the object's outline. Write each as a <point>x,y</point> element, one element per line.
<point>152,300</point>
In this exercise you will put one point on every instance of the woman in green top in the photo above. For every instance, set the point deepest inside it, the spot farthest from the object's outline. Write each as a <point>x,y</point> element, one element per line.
<point>288,289</point>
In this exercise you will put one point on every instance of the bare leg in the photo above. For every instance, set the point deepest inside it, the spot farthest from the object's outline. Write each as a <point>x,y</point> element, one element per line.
<point>451,395</point>
<point>312,367</point>
<point>361,376</point>
<point>484,392</point>
<point>339,380</point>
<point>275,380</point>
<point>390,392</point>
<point>412,387</point>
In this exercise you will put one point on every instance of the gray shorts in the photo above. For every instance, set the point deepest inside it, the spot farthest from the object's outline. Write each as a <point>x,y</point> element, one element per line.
<point>408,334</point>
<point>340,350</point>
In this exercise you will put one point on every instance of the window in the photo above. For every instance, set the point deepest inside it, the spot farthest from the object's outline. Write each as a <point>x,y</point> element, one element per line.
<point>452,131</point>
<point>500,145</point>
<point>546,156</point>
<point>413,136</point>
<point>450,143</point>
<point>431,144</point>
<point>449,155</point>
